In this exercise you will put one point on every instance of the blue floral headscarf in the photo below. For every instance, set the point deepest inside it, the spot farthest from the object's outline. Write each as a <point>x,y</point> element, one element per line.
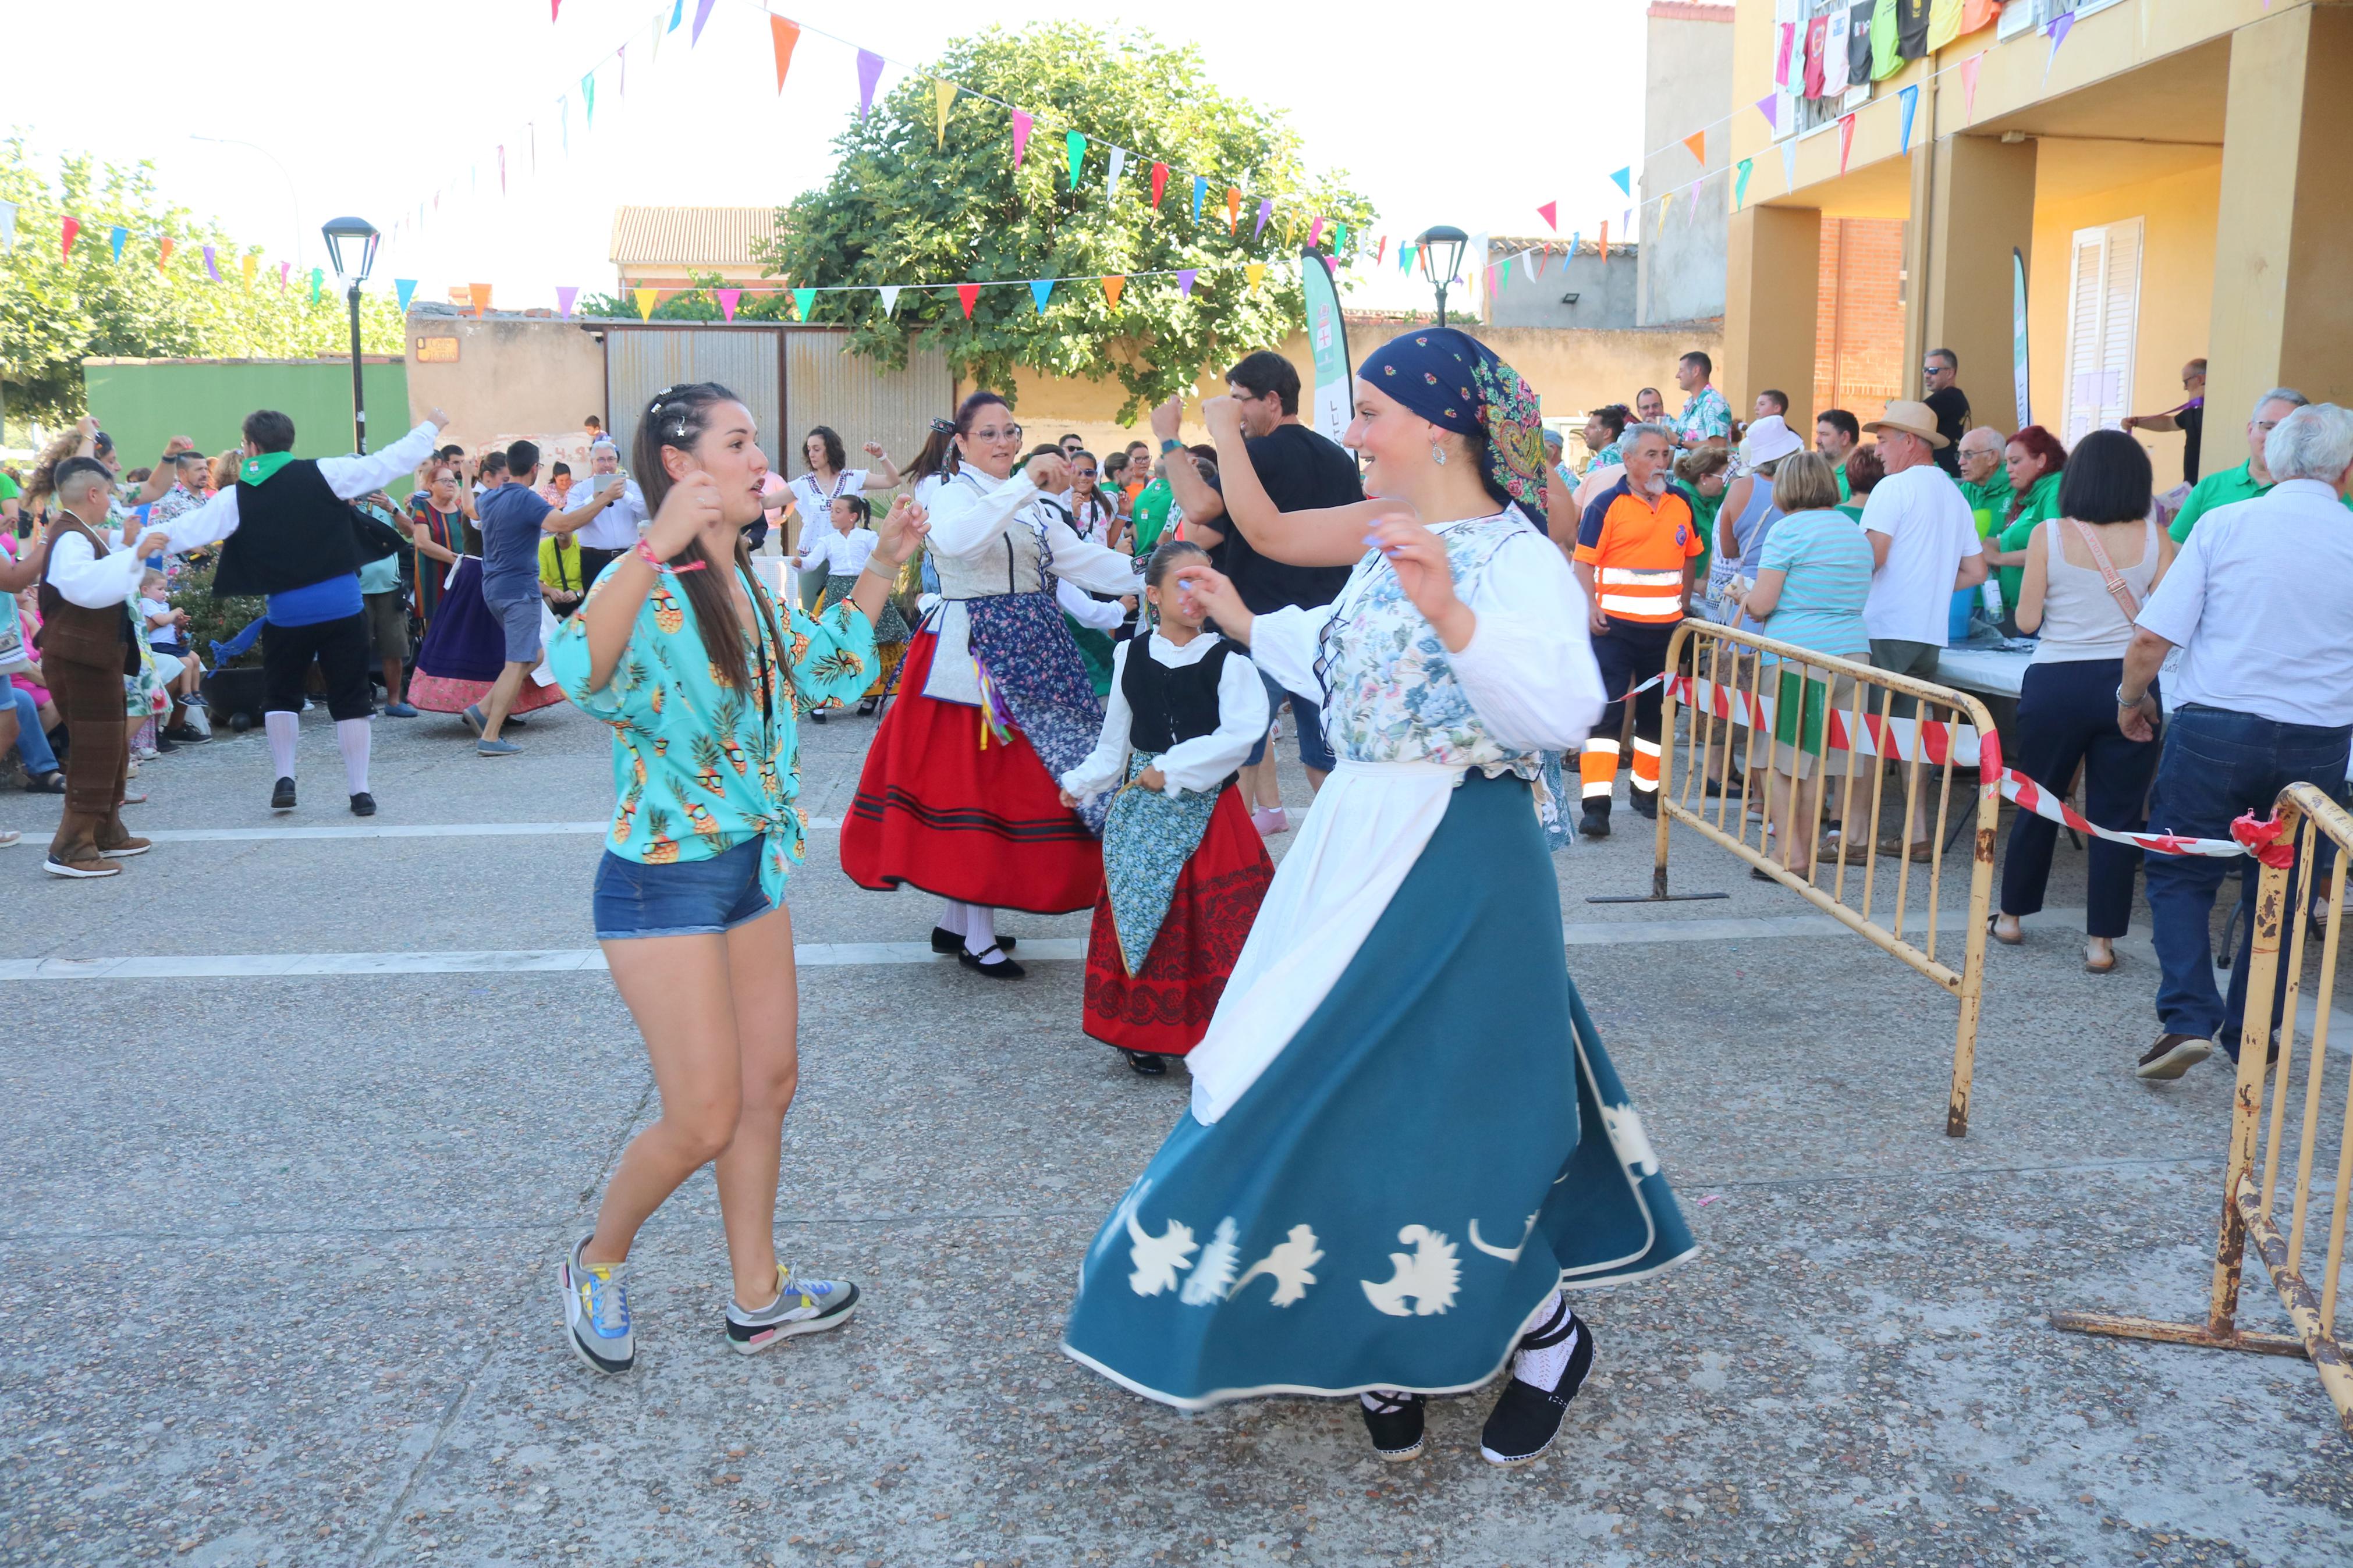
<point>1455,382</point>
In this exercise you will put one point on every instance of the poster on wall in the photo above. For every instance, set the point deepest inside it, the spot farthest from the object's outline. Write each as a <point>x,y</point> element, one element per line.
<point>1327,339</point>
<point>2018,333</point>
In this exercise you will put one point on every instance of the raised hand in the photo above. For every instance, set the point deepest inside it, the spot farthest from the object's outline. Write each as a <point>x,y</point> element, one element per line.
<point>438,418</point>
<point>873,449</point>
<point>692,506</point>
<point>901,533</point>
<point>1419,558</point>
<point>1168,417</point>
<point>1222,415</point>
<point>1210,593</point>
<point>1049,473</point>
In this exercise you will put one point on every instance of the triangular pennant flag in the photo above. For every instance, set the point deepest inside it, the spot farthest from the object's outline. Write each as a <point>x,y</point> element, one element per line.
<point>659,29</point>
<point>1255,274</point>
<point>1666,201</point>
<point>118,236</point>
<point>727,299</point>
<point>405,289</point>
<point>1041,289</point>
<point>283,269</point>
<point>1906,102</point>
<point>943,99</point>
<point>869,76</point>
<point>2061,26</point>
<point>8,233</point>
<point>1118,162</point>
<point>1507,272</point>
<point>566,294</point>
<point>212,264</point>
<point>1624,180</point>
<point>783,34</point>
<point>802,298</point>
<point>1697,143</point>
<point>1021,123</point>
<point>1491,283</point>
<point>1074,147</point>
<point>502,169</point>
<point>319,283</point>
<point>1769,106</point>
<point>66,232</point>
<point>1846,139</point>
<point>677,9</point>
<point>968,295</point>
<point>1740,180</point>
<point>588,97</point>
<point>1405,257</point>
<point>1543,254</point>
<point>1233,208</point>
<point>1381,251</point>
<point>890,292</point>
<point>1265,211</point>
<point>553,7</point>
<point>622,54</point>
<point>1112,287</point>
<point>701,15</point>
<point>1315,234</point>
<point>1550,213</point>
<point>480,294</point>
<point>8,227</point>
<point>1789,165</point>
<point>1339,238</point>
<point>245,268</point>
<point>1605,240</point>
<point>1969,87</point>
<point>1159,183</point>
<point>645,299</point>
<point>1185,276</point>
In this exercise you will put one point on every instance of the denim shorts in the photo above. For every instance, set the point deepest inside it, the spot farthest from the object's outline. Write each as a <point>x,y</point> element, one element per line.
<point>689,898</point>
<point>520,619</point>
<point>1307,716</point>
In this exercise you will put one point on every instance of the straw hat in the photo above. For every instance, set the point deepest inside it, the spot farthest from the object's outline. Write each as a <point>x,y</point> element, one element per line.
<point>1768,440</point>
<point>1911,419</point>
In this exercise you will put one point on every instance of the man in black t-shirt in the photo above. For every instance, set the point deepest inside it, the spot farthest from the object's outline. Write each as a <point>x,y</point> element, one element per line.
<point>1300,472</point>
<point>1949,404</point>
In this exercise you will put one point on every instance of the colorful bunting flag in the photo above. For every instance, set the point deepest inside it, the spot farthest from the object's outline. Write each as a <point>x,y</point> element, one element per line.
<point>480,294</point>
<point>1233,208</point>
<point>318,285</point>
<point>1041,289</point>
<point>677,9</point>
<point>1118,162</point>
<point>1624,180</point>
<point>283,269</point>
<point>1666,200</point>
<point>1789,165</point>
<point>1111,288</point>
<point>1697,143</point>
<point>1315,234</point>
<point>1021,123</point>
<point>1200,189</point>
<point>1769,106</point>
<point>1159,183</point>
<point>162,251</point>
<point>2059,26</point>
<point>802,298</point>
<point>1550,213</point>
<point>1969,87</point>
<point>869,75</point>
<point>701,15</point>
<point>783,33</point>
<point>1265,211</point>
<point>1740,181</point>
<point>588,97</point>
<point>1906,102</point>
<point>1339,238</point>
<point>727,299</point>
<point>622,54</point>
<point>1846,139</point>
<point>645,300</point>
<point>1255,274</point>
<point>118,236</point>
<point>1381,251</point>
<point>890,292</point>
<point>405,289</point>
<point>1185,276</point>
<point>943,99</point>
<point>1075,146</point>
<point>1405,257</point>
<point>71,227</point>
<point>1605,240</point>
<point>502,169</point>
<point>968,295</point>
<point>1491,283</point>
<point>658,30</point>
<point>246,266</point>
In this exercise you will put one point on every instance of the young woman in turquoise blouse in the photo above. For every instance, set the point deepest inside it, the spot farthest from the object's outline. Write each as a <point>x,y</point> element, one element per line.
<point>704,677</point>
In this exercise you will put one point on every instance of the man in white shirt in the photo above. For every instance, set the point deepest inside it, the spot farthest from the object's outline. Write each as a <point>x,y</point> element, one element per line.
<point>614,533</point>
<point>2260,601</point>
<point>1924,548</point>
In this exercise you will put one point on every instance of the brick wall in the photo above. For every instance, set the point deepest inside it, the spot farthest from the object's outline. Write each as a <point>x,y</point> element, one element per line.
<point>1859,317</point>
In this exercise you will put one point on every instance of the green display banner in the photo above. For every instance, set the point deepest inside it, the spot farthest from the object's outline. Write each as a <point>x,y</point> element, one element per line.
<point>2018,334</point>
<point>1327,339</point>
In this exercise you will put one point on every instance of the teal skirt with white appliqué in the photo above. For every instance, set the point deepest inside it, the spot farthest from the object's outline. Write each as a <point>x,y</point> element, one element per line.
<point>1439,1146</point>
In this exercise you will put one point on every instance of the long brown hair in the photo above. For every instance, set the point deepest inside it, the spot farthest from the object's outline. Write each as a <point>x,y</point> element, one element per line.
<point>676,417</point>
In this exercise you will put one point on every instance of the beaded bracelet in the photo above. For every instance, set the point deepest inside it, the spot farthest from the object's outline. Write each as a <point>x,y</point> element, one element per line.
<point>646,554</point>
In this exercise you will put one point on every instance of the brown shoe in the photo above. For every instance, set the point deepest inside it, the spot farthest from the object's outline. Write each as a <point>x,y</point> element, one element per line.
<point>2174,1054</point>
<point>1922,852</point>
<point>100,868</point>
<point>128,847</point>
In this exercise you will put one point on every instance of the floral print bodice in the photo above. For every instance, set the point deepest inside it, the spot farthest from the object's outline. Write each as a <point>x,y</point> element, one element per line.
<point>1392,694</point>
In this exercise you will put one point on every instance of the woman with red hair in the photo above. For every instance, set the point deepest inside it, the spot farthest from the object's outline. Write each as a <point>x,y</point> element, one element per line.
<point>2035,461</point>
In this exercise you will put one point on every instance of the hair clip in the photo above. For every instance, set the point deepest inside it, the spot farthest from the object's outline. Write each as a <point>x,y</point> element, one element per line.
<point>943,427</point>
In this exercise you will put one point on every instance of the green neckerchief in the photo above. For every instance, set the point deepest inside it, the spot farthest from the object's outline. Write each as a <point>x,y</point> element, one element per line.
<point>253,471</point>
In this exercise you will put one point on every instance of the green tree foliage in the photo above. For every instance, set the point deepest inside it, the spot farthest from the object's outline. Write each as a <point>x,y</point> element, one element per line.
<point>57,310</point>
<point>698,302</point>
<point>901,209</point>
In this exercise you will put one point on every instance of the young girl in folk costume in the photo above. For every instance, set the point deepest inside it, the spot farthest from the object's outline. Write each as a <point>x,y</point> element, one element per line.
<point>1405,1138</point>
<point>702,675</point>
<point>959,794</point>
<point>1183,868</point>
<point>843,550</point>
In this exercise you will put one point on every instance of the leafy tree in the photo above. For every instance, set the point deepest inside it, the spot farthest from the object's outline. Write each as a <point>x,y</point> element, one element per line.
<point>57,310</point>
<point>697,302</point>
<point>900,209</point>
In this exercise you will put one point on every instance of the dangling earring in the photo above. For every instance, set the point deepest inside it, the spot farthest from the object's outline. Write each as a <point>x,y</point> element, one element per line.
<point>1438,454</point>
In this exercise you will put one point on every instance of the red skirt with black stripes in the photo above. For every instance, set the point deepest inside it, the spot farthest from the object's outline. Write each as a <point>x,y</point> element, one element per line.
<point>938,810</point>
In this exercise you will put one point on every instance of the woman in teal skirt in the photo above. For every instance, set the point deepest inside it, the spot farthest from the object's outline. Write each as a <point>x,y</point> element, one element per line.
<point>1405,1138</point>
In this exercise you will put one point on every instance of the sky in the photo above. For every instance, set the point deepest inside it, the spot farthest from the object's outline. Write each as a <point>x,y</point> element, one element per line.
<point>1474,117</point>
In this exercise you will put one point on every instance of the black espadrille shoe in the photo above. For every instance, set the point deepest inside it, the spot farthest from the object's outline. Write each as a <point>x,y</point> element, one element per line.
<point>1528,1417</point>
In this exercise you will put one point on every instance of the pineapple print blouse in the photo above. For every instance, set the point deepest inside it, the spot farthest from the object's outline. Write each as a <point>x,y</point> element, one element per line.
<point>699,766</point>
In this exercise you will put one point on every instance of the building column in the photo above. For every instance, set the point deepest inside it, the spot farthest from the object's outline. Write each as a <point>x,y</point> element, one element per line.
<point>1972,202</point>
<point>1772,268</point>
<point>2283,315</point>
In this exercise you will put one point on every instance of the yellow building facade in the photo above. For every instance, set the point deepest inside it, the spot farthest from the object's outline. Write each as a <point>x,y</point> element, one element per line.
<point>2173,171</point>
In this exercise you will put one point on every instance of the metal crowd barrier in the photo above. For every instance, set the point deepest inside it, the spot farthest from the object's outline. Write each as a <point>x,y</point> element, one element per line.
<point>1758,701</point>
<point>2313,828</point>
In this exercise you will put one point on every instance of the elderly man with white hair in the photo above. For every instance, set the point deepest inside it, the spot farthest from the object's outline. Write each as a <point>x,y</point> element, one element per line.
<point>2260,601</point>
<point>614,531</point>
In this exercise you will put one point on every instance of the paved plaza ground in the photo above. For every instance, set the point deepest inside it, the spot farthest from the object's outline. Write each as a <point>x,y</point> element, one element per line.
<point>278,1253</point>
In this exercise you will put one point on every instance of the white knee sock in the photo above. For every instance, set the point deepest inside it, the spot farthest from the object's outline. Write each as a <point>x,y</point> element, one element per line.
<point>979,929</point>
<point>282,728</point>
<point>952,917</point>
<point>1542,1368</point>
<point>352,740</point>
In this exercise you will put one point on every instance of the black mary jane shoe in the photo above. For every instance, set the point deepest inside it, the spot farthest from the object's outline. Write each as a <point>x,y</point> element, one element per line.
<point>1151,1064</point>
<point>946,940</point>
<point>1526,1418</point>
<point>363,805</point>
<point>867,706</point>
<point>1396,1426</point>
<point>281,798</point>
<point>1003,969</point>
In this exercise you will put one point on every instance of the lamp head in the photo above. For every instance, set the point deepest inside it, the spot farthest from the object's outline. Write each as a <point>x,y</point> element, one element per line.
<point>1442,252</point>
<point>351,247</point>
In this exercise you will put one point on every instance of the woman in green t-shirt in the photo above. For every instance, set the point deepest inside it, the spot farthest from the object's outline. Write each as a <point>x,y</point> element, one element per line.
<point>2035,460</point>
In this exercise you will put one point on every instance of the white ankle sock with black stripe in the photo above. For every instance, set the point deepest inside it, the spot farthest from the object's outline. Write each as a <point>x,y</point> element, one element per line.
<point>1542,1368</point>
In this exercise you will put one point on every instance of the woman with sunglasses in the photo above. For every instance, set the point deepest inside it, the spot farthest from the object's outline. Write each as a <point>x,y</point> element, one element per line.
<point>960,794</point>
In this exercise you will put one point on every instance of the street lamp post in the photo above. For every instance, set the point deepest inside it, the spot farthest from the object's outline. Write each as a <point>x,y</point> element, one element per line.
<point>1441,258</point>
<point>353,264</point>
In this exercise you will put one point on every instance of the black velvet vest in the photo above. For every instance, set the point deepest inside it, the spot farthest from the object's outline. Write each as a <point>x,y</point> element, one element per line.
<point>1171,705</point>
<point>293,531</point>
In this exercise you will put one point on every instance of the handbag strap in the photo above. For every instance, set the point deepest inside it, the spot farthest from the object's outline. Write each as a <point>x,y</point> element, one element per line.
<point>2118,589</point>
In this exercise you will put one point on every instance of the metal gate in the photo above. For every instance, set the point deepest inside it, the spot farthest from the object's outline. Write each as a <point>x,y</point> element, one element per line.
<point>641,358</point>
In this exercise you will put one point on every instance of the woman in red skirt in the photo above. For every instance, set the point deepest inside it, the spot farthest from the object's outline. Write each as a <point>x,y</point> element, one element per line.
<point>1183,869</point>
<point>959,794</point>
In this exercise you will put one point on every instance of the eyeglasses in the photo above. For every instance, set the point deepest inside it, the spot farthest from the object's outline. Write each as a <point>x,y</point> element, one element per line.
<point>1084,473</point>
<point>990,433</point>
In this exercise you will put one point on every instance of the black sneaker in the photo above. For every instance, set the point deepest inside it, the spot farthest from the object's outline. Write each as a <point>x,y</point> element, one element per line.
<point>946,940</point>
<point>165,742</point>
<point>1151,1064</point>
<point>1595,823</point>
<point>282,797</point>
<point>2173,1055</point>
<point>1003,969</point>
<point>1527,1419</point>
<point>1646,805</point>
<point>186,735</point>
<point>363,805</point>
<point>1395,1423</point>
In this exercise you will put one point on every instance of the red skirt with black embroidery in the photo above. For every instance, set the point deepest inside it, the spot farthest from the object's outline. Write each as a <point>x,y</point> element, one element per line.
<point>1166,1006</point>
<point>938,812</point>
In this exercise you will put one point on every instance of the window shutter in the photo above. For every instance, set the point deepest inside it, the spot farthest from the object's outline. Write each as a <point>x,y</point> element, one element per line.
<point>2119,322</point>
<point>2087,280</point>
<point>2103,325</point>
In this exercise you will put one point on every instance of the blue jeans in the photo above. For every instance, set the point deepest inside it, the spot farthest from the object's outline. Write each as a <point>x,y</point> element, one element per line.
<point>32,741</point>
<point>1307,713</point>
<point>2217,765</point>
